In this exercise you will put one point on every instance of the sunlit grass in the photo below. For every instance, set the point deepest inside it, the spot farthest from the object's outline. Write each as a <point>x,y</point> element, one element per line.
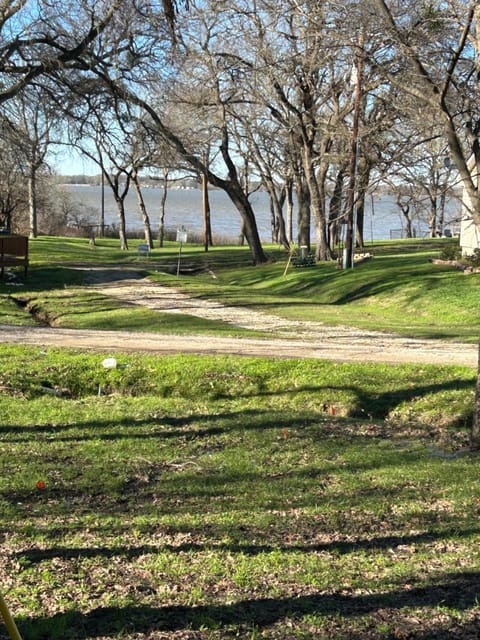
<point>215,495</point>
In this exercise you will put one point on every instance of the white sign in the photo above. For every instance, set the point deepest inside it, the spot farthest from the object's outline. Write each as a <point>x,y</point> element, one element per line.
<point>181,235</point>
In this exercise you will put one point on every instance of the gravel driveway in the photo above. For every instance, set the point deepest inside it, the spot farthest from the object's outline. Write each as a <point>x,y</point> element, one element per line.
<point>289,339</point>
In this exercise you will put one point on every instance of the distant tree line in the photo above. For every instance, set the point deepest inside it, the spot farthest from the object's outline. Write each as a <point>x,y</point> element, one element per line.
<point>79,179</point>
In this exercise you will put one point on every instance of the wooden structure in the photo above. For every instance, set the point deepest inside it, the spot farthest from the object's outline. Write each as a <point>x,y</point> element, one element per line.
<point>13,252</point>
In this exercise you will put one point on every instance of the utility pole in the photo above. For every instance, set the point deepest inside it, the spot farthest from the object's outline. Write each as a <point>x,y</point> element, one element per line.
<point>207,228</point>
<point>102,211</point>
<point>351,222</point>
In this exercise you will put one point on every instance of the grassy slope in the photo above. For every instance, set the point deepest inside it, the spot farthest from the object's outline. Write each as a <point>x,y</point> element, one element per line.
<point>398,290</point>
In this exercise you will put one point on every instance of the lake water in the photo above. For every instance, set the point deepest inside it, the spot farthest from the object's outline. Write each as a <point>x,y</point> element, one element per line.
<point>184,208</point>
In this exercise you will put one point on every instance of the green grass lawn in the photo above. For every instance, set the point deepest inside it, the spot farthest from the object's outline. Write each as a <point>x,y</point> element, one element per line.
<point>217,497</point>
<point>181,498</point>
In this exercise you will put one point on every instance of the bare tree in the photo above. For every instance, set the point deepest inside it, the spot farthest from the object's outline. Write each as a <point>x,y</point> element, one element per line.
<point>46,44</point>
<point>13,194</point>
<point>163,203</point>
<point>179,140</point>
<point>437,49</point>
<point>33,122</point>
<point>56,36</point>
<point>269,155</point>
<point>292,46</point>
<point>139,150</point>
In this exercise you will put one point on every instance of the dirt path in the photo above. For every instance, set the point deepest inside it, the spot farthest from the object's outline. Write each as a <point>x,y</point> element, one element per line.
<point>290,339</point>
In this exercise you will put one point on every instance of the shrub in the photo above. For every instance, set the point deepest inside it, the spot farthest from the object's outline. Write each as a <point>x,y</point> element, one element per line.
<point>451,252</point>
<point>474,259</point>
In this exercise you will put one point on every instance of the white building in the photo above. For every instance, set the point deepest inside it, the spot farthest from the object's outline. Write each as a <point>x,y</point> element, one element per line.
<point>469,231</point>
<point>469,235</point>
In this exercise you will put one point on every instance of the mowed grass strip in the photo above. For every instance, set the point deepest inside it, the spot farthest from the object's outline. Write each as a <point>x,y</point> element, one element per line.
<point>214,497</point>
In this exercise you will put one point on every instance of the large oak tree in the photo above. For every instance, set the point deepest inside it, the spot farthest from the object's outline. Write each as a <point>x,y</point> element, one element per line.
<point>432,53</point>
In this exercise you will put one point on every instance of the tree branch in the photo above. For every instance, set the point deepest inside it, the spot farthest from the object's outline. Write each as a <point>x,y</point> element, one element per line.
<point>70,55</point>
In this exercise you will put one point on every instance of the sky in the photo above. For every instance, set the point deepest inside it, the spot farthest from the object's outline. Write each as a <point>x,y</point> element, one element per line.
<point>69,162</point>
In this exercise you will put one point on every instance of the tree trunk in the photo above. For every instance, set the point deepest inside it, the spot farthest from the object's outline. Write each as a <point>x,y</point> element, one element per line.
<point>239,198</point>
<point>317,202</point>
<point>249,224</point>
<point>119,197</point>
<point>335,210</point>
<point>163,202</point>
<point>432,219</point>
<point>282,230</point>
<point>304,217</point>
<point>405,209</point>
<point>289,224</point>
<point>408,221</point>
<point>32,202</point>
<point>363,183</point>
<point>279,232</point>
<point>102,206</point>
<point>441,214</point>
<point>207,226</point>
<point>122,227</point>
<point>273,220</point>
<point>143,211</point>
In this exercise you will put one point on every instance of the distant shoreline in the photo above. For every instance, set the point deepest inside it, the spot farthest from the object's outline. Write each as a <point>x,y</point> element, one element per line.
<point>383,219</point>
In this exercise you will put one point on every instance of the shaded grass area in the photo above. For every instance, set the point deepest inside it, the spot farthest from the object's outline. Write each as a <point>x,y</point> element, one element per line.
<point>215,497</point>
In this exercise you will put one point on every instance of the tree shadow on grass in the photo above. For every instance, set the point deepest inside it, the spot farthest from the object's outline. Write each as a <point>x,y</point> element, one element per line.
<point>458,591</point>
<point>158,489</point>
<point>223,423</point>
<point>155,479</point>
<point>380,406</point>
<point>373,404</point>
<point>376,406</point>
<point>371,544</point>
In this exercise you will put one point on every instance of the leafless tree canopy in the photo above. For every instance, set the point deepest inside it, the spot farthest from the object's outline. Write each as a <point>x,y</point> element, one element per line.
<point>325,99</point>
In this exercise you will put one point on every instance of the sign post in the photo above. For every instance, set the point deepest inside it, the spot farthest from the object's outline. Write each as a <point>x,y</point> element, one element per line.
<point>9,621</point>
<point>181,238</point>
